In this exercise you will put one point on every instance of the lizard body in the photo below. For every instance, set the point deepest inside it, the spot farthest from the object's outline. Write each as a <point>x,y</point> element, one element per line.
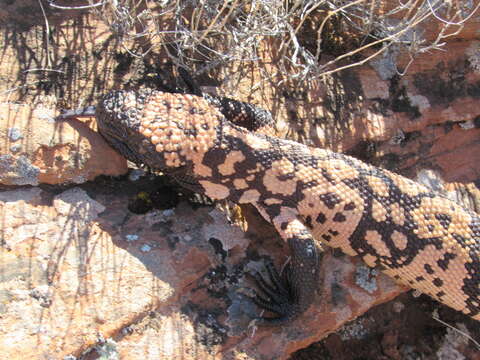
<point>313,197</point>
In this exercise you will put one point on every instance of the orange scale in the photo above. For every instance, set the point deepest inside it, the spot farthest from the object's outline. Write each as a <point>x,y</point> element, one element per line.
<point>159,132</point>
<point>155,140</point>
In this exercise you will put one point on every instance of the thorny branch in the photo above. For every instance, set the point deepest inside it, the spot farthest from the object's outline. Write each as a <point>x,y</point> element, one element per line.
<point>202,34</point>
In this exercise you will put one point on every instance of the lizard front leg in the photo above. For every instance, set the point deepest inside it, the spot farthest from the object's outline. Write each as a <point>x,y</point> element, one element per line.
<point>291,295</point>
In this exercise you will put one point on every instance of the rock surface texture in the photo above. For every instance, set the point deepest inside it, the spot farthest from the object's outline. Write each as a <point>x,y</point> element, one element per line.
<point>165,284</point>
<point>37,148</point>
<point>81,275</point>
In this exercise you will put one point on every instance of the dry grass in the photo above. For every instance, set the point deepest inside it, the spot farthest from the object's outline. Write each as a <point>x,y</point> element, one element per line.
<point>203,34</point>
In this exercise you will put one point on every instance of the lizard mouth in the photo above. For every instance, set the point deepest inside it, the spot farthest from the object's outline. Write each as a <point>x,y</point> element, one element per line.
<point>120,146</point>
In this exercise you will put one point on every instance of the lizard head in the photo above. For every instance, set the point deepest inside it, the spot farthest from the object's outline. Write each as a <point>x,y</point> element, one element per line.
<point>160,130</point>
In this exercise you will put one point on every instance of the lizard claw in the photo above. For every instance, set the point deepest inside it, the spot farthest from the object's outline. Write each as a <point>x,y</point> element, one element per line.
<point>275,296</point>
<point>292,294</point>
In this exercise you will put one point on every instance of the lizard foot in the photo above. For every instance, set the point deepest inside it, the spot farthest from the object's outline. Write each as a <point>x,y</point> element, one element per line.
<point>277,296</point>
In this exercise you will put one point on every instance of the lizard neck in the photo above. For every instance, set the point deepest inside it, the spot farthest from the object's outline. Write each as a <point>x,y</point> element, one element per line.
<point>228,170</point>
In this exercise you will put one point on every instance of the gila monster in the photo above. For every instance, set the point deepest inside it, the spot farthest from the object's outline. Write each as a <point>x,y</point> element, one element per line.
<point>313,197</point>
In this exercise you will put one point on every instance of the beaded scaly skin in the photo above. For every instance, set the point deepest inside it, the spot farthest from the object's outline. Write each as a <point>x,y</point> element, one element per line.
<point>313,197</point>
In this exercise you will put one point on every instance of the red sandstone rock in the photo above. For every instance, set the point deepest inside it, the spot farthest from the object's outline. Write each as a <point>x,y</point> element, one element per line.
<point>37,148</point>
<point>75,271</point>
